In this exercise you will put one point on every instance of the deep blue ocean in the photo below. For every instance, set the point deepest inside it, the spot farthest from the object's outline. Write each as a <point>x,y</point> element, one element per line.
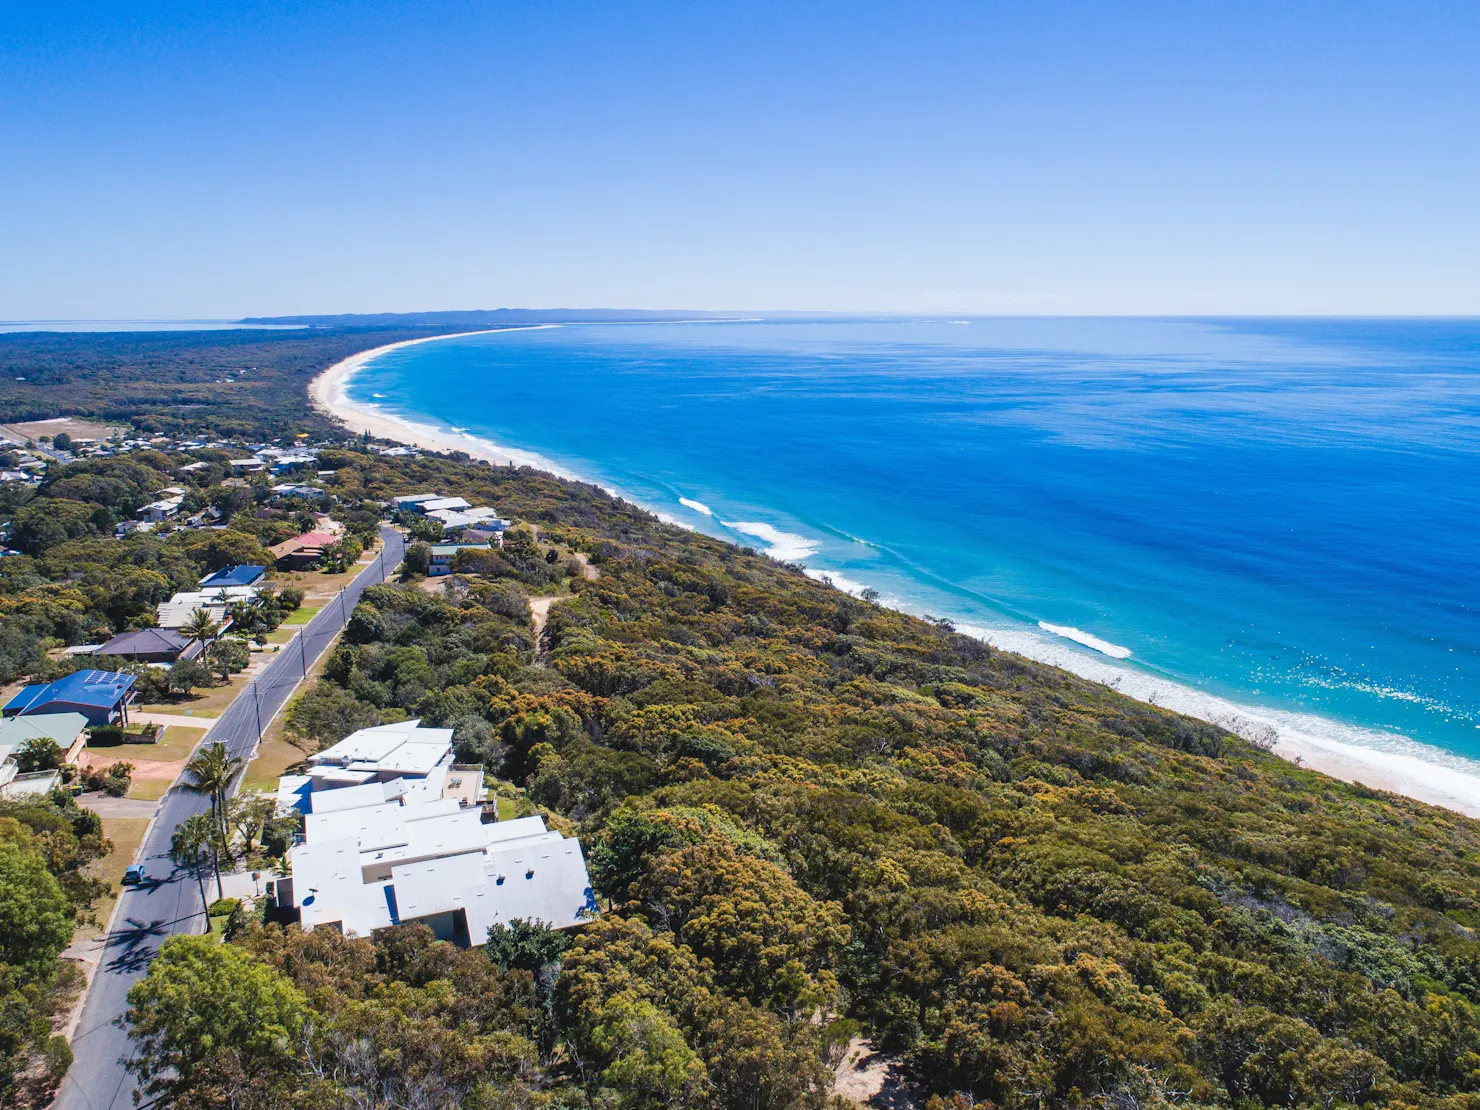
<point>1284,513</point>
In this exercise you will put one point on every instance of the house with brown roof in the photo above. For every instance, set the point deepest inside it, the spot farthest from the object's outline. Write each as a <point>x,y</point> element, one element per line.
<point>301,551</point>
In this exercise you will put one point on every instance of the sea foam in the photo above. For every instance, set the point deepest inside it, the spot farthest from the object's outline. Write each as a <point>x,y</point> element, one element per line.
<point>1079,636</point>
<point>786,547</point>
<point>697,506</point>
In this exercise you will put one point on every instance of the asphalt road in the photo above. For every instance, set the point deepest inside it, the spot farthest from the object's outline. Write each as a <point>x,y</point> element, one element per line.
<point>169,902</point>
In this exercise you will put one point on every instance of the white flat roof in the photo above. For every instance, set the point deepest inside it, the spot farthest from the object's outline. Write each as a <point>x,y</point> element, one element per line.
<point>332,777</point>
<point>544,881</point>
<point>415,759</point>
<point>433,886</point>
<point>293,791</point>
<point>347,797</point>
<point>454,503</point>
<point>371,827</point>
<point>369,744</point>
<point>329,886</point>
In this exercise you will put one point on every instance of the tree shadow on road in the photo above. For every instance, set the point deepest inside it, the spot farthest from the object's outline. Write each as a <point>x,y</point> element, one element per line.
<point>129,946</point>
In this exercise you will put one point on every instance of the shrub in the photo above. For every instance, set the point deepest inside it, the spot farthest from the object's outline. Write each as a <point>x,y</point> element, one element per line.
<point>58,1057</point>
<point>105,736</point>
<point>117,779</point>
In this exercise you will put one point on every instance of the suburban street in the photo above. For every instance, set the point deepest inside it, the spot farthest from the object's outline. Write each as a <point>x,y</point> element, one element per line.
<point>169,901</point>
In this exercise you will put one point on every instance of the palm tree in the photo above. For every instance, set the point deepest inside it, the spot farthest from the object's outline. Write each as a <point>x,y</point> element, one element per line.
<point>193,836</point>
<point>200,626</point>
<point>212,770</point>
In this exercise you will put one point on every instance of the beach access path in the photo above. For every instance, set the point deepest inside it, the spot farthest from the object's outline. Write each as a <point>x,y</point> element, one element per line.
<point>168,901</point>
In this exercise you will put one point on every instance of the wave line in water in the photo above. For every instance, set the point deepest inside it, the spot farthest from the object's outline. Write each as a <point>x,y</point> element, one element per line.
<point>1079,636</point>
<point>697,506</point>
<point>787,547</point>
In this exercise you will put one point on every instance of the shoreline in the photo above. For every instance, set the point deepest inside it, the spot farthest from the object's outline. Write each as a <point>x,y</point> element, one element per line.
<point>1453,783</point>
<point>327,394</point>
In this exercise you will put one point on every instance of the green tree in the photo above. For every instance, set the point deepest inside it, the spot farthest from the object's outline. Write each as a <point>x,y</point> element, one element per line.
<point>38,753</point>
<point>200,627</point>
<point>35,912</point>
<point>205,1008</point>
<point>418,559</point>
<point>251,816</point>
<point>227,657</point>
<point>425,528</point>
<point>645,1060</point>
<point>185,675</point>
<point>211,771</point>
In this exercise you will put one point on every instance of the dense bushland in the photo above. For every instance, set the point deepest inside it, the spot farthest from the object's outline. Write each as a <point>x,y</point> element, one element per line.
<point>814,817</point>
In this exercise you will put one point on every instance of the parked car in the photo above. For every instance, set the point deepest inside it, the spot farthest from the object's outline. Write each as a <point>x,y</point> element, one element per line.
<point>134,875</point>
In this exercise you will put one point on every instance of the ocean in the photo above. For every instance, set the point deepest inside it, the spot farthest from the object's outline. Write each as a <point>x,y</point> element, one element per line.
<point>1269,522</point>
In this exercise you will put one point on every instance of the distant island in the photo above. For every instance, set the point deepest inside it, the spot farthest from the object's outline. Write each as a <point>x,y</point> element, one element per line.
<point>491,316</point>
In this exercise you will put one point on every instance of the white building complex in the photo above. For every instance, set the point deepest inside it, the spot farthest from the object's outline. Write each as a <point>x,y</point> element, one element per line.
<point>394,833</point>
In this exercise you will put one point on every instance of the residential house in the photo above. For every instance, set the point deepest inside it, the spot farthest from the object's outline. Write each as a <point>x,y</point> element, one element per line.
<point>444,553</point>
<point>390,836</point>
<point>232,576</point>
<point>302,551</point>
<point>158,511</point>
<point>481,517</point>
<point>68,731</point>
<point>289,489</point>
<point>217,601</point>
<point>456,504</point>
<point>150,645</point>
<point>411,501</point>
<point>285,463</point>
<point>102,697</point>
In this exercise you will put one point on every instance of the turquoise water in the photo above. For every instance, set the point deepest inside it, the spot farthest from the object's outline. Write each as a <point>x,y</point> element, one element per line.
<point>1282,513</point>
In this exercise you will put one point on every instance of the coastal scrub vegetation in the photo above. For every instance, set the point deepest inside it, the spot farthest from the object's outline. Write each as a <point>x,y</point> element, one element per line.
<point>814,819</point>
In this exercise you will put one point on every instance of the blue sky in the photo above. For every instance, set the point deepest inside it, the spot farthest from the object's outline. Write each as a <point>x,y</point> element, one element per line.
<point>213,160</point>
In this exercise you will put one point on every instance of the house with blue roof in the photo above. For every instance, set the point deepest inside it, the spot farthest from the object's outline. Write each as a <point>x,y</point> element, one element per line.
<point>232,576</point>
<point>102,697</point>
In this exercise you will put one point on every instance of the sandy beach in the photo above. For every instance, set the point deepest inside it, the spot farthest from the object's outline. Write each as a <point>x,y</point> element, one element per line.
<point>327,392</point>
<point>1379,761</point>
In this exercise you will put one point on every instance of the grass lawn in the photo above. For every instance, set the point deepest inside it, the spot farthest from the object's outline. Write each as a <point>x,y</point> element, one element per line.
<point>507,809</point>
<point>274,756</point>
<point>149,790</point>
<point>301,615</point>
<point>126,833</point>
<point>319,586</point>
<point>282,633</point>
<point>177,743</point>
<point>209,702</point>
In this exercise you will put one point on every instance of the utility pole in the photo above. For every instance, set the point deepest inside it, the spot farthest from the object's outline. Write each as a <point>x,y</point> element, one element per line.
<point>257,705</point>
<point>303,650</point>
